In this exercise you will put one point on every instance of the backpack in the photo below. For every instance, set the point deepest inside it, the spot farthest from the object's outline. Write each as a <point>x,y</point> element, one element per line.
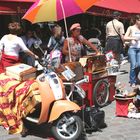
<point>94,118</point>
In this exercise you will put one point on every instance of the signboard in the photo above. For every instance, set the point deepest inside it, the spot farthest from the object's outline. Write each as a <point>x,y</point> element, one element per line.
<point>13,8</point>
<point>99,11</point>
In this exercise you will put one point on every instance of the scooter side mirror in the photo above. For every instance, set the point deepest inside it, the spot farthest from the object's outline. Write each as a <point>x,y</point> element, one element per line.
<point>36,45</point>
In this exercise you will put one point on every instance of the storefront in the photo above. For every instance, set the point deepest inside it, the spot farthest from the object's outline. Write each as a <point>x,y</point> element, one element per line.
<point>14,7</point>
<point>12,10</point>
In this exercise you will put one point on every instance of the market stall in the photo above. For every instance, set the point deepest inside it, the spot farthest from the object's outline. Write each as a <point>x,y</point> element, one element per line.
<point>100,88</point>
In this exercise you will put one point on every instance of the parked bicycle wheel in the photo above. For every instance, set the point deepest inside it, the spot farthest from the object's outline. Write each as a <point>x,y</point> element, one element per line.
<point>101,93</point>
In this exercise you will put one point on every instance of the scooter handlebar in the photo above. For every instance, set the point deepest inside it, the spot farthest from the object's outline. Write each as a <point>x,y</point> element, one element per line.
<point>84,80</point>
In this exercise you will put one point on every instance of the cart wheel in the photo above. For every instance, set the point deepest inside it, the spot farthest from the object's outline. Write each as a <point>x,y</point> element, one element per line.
<point>101,93</point>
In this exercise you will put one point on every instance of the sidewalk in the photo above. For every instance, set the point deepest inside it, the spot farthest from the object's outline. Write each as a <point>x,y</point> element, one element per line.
<point>119,128</point>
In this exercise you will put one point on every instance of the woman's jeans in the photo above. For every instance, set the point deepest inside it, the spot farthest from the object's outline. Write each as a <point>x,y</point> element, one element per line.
<point>134,57</point>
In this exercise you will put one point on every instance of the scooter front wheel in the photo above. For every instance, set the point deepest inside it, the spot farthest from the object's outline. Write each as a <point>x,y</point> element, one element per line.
<point>67,127</point>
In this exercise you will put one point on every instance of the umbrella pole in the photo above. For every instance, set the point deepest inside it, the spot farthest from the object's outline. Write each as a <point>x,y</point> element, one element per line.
<point>66,28</point>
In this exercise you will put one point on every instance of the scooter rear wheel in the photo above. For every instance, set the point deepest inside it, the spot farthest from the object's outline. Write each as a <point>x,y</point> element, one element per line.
<point>67,127</point>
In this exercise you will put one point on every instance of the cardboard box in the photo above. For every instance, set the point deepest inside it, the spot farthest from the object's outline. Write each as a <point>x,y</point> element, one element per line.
<point>122,106</point>
<point>21,72</point>
<point>76,68</point>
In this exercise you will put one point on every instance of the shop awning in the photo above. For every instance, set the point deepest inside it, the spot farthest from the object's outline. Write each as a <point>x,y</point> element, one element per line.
<point>18,0</point>
<point>133,5</point>
<point>106,7</point>
<point>13,7</point>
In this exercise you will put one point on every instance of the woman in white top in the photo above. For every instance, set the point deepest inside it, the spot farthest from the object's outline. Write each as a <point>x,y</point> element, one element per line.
<point>76,42</point>
<point>11,45</point>
<point>133,36</point>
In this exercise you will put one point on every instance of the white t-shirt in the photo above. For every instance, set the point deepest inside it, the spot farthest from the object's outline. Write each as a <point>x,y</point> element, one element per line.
<point>134,32</point>
<point>110,31</point>
<point>12,47</point>
<point>31,41</point>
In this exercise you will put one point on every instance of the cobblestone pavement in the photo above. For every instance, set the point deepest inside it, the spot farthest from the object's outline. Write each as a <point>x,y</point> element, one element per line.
<point>118,128</point>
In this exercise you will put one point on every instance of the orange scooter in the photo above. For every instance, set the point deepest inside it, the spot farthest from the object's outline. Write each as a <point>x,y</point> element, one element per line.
<point>56,110</point>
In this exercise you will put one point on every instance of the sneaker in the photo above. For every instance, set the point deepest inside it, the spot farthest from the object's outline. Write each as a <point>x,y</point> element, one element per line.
<point>133,85</point>
<point>124,58</point>
<point>124,62</point>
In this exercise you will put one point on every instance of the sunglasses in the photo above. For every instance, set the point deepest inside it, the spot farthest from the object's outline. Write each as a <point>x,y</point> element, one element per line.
<point>78,30</point>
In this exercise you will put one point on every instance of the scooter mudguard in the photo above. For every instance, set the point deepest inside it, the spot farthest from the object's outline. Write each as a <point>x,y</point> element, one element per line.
<point>61,106</point>
<point>48,96</point>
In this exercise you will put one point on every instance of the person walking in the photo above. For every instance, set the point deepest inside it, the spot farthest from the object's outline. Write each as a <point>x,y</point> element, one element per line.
<point>133,36</point>
<point>114,36</point>
<point>10,46</point>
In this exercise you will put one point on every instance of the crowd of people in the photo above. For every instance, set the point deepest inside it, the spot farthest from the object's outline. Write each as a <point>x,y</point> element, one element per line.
<point>15,48</point>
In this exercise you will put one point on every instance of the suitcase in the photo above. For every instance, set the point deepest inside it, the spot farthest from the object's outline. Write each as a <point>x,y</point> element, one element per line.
<point>93,63</point>
<point>76,67</point>
<point>21,72</point>
<point>31,101</point>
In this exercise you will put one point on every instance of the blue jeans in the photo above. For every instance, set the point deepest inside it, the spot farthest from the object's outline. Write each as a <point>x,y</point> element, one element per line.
<point>134,57</point>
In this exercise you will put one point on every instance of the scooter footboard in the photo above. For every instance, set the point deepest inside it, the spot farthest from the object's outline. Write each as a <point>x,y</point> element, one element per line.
<point>60,107</point>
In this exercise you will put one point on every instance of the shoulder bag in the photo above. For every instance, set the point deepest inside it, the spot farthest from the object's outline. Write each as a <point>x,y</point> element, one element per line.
<point>118,34</point>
